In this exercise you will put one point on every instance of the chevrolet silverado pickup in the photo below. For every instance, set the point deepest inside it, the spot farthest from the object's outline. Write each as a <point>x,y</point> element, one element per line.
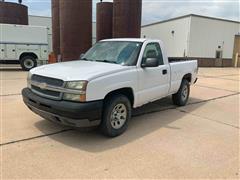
<point>107,83</point>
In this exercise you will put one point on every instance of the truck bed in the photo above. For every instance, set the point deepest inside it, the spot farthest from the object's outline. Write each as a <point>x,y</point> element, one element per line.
<point>174,59</point>
<point>179,69</point>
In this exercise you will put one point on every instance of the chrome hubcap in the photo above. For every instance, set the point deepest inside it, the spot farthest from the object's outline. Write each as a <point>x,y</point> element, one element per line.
<point>185,93</point>
<point>118,116</point>
<point>28,63</point>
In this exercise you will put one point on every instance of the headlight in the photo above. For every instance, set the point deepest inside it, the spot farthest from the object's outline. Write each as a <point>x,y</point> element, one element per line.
<point>29,80</point>
<point>76,85</point>
<point>80,85</point>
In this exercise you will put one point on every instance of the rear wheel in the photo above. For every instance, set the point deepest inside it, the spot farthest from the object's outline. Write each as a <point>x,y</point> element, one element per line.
<point>28,62</point>
<point>116,114</point>
<point>181,97</point>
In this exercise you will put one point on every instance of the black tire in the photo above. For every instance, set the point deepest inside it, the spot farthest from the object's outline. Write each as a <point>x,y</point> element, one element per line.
<point>111,105</point>
<point>28,62</point>
<point>181,97</point>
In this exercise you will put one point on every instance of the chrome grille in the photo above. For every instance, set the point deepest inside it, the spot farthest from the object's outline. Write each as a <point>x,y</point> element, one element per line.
<point>44,91</point>
<point>40,85</point>
<point>47,80</point>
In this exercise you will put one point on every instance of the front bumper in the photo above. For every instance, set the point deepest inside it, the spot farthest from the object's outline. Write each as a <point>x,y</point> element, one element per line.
<point>64,112</point>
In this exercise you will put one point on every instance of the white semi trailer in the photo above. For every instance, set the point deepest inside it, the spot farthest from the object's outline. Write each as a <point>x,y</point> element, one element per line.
<point>24,45</point>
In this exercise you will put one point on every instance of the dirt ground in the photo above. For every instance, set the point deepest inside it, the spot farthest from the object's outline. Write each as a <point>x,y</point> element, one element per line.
<point>200,140</point>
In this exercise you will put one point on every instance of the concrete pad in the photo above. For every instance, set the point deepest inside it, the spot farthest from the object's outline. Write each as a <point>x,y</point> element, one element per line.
<point>167,144</point>
<point>197,141</point>
<point>9,87</point>
<point>219,84</point>
<point>226,77</point>
<point>233,77</point>
<point>198,93</point>
<point>219,72</point>
<point>18,121</point>
<point>13,75</point>
<point>22,118</point>
<point>224,110</point>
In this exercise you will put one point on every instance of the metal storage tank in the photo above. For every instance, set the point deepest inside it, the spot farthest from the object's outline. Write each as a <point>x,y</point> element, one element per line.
<point>55,27</point>
<point>13,13</point>
<point>127,15</point>
<point>104,20</point>
<point>75,28</point>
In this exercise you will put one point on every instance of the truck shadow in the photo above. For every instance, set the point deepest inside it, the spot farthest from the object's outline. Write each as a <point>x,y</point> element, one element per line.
<point>146,120</point>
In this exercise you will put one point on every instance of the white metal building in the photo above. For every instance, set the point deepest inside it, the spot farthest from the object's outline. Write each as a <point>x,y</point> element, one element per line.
<point>195,36</point>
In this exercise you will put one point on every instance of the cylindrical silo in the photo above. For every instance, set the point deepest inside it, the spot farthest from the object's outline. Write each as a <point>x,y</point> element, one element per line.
<point>55,27</point>
<point>75,28</point>
<point>104,20</point>
<point>127,15</point>
<point>13,13</point>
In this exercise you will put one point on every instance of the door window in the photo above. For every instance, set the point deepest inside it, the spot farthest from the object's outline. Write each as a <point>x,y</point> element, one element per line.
<point>153,50</point>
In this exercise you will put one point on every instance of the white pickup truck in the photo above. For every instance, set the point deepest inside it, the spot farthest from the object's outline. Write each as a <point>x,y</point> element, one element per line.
<point>103,87</point>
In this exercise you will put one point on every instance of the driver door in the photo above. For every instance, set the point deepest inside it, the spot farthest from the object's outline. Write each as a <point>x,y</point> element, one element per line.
<point>154,82</point>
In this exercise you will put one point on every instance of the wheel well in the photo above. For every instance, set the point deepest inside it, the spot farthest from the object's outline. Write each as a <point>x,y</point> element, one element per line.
<point>128,92</point>
<point>188,77</point>
<point>28,54</point>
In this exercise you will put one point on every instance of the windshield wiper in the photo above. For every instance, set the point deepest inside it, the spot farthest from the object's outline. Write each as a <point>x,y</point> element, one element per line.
<point>107,61</point>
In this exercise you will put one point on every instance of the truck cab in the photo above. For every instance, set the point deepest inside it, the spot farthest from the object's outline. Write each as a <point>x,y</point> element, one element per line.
<point>112,78</point>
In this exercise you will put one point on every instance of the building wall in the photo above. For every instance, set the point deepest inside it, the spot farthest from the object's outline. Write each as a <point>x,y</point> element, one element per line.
<point>207,34</point>
<point>176,43</point>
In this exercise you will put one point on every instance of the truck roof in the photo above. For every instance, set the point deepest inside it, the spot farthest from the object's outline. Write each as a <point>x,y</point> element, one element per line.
<point>127,39</point>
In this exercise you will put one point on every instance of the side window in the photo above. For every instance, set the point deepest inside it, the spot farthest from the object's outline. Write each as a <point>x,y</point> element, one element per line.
<point>153,50</point>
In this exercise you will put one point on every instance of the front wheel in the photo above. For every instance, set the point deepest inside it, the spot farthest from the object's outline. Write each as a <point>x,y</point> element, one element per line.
<point>116,114</point>
<point>181,97</point>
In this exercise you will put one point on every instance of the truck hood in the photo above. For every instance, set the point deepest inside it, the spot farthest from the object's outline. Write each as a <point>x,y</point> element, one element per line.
<point>78,70</point>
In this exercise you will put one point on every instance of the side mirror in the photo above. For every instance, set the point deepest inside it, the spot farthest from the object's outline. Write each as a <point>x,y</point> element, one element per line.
<point>81,55</point>
<point>150,62</point>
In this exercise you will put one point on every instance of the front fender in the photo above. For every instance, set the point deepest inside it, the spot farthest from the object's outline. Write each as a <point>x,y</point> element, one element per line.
<point>98,88</point>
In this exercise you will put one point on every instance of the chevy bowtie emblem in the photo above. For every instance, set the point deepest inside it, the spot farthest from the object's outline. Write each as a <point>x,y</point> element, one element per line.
<point>42,85</point>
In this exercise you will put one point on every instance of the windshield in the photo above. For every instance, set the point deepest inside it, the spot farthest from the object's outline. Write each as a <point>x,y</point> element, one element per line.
<point>117,52</point>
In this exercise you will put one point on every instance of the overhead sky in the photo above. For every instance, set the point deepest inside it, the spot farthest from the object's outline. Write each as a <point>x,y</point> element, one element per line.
<point>157,10</point>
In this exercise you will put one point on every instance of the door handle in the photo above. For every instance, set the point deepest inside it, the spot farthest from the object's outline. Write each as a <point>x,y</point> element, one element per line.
<point>164,71</point>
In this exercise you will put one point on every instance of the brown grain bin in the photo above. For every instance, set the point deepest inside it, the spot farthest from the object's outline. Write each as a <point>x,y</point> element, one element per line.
<point>55,27</point>
<point>75,28</point>
<point>104,20</point>
<point>13,13</point>
<point>127,15</point>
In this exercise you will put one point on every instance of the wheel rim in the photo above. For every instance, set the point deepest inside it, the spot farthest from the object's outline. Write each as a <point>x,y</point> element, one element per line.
<point>118,116</point>
<point>28,63</point>
<point>185,93</point>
